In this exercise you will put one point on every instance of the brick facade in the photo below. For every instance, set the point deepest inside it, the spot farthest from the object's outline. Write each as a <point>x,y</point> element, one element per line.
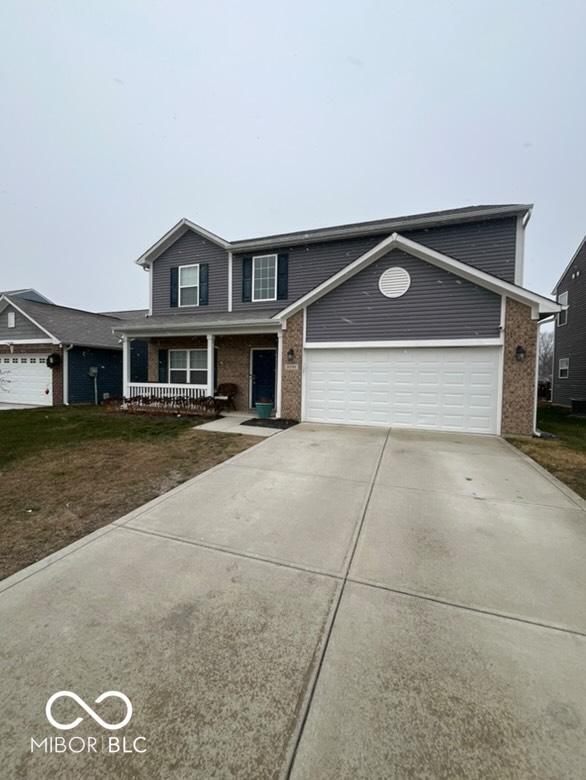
<point>42,349</point>
<point>234,362</point>
<point>291,381</point>
<point>519,376</point>
<point>233,358</point>
<point>177,342</point>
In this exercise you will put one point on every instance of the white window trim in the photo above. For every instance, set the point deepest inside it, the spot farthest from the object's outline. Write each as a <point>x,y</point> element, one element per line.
<point>186,287</point>
<point>188,368</point>
<point>11,319</point>
<point>561,368</point>
<point>564,306</point>
<point>263,257</point>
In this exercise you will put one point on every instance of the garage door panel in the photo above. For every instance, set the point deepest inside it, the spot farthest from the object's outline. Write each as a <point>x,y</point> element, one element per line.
<point>452,389</point>
<point>26,379</point>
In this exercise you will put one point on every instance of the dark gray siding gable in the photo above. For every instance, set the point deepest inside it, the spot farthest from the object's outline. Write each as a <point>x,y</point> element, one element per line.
<point>23,327</point>
<point>570,339</point>
<point>308,266</point>
<point>109,380</point>
<point>187,250</point>
<point>489,245</point>
<point>438,305</point>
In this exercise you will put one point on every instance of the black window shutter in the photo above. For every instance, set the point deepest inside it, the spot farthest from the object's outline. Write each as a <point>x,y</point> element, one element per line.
<point>247,278</point>
<point>282,277</point>
<point>163,364</point>
<point>174,287</point>
<point>203,284</point>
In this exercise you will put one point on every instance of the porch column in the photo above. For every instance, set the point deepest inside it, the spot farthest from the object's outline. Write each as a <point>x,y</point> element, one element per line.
<point>211,377</point>
<point>279,372</point>
<point>125,366</point>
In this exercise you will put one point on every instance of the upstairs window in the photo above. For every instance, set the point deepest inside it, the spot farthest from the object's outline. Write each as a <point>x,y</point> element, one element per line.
<point>189,285</point>
<point>564,368</point>
<point>11,319</point>
<point>264,278</point>
<point>563,314</point>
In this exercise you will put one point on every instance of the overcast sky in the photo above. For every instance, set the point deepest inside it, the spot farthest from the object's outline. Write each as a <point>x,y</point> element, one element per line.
<point>118,118</point>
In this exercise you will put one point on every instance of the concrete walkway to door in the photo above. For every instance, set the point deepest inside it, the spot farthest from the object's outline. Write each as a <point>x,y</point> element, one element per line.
<point>334,602</point>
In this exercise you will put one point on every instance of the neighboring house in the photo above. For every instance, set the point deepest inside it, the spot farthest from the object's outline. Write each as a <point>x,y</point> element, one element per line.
<point>420,321</point>
<point>28,294</point>
<point>49,353</point>
<point>569,366</point>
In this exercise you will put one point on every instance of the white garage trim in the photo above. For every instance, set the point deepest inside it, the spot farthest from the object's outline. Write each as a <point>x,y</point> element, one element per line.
<point>434,388</point>
<point>404,344</point>
<point>16,342</point>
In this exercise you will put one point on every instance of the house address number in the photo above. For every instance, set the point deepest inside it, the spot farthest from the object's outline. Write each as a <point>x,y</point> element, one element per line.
<point>291,366</point>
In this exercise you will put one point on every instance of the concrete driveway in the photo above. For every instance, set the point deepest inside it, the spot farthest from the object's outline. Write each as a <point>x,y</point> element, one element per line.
<point>333,603</point>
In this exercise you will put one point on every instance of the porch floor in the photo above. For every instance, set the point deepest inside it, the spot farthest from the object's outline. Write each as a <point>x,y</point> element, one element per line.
<point>232,423</point>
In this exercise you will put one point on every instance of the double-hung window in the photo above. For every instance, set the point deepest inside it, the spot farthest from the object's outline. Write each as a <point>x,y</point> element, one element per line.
<point>189,285</point>
<point>188,366</point>
<point>563,314</point>
<point>11,319</point>
<point>264,278</point>
<point>564,368</point>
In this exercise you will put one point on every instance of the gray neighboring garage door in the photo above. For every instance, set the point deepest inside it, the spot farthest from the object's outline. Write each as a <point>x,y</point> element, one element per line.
<point>448,388</point>
<point>25,379</point>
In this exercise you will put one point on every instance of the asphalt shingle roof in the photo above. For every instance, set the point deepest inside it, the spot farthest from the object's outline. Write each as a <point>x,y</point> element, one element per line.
<point>71,326</point>
<point>179,321</point>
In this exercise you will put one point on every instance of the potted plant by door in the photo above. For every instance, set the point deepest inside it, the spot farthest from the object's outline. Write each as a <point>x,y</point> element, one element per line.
<point>264,407</point>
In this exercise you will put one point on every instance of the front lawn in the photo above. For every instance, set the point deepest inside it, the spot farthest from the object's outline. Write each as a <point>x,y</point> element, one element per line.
<point>64,472</point>
<point>565,456</point>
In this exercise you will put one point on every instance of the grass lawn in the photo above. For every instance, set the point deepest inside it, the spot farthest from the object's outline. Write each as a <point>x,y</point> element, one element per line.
<point>66,471</point>
<point>565,456</point>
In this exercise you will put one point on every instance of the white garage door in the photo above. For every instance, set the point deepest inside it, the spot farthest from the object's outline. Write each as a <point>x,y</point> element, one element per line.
<point>25,379</point>
<point>449,389</point>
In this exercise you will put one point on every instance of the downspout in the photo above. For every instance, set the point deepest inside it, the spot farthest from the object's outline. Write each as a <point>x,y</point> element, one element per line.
<point>66,374</point>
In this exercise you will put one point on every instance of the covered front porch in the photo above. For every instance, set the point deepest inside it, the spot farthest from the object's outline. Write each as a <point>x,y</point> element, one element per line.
<point>237,369</point>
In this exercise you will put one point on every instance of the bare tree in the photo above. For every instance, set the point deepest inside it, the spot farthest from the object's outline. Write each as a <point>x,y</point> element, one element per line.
<point>546,346</point>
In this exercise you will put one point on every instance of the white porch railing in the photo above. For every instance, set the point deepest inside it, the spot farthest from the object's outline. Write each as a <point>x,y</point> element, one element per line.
<point>160,390</point>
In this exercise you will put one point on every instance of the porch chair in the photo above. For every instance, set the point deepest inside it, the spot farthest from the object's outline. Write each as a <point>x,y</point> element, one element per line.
<point>225,393</point>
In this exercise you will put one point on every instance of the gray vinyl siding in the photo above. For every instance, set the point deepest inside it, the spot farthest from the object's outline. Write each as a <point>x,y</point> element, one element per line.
<point>489,245</point>
<point>24,328</point>
<point>309,265</point>
<point>187,250</point>
<point>570,339</point>
<point>438,305</point>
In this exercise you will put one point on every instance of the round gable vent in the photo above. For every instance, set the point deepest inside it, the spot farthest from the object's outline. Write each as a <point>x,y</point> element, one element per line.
<point>394,282</point>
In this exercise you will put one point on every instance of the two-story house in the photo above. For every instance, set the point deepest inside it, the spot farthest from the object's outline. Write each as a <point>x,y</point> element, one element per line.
<point>569,366</point>
<point>418,321</point>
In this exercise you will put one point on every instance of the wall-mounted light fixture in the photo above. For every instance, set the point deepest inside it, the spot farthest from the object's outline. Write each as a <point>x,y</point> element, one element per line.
<point>520,353</point>
<point>291,355</point>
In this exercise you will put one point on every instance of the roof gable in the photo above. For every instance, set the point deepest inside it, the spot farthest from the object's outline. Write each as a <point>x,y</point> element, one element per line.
<point>67,326</point>
<point>575,257</point>
<point>20,305</point>
<point>23,328</point>
<point>28,294</point>
<point>178,230</point>
<point>539,303</point>
<point>371,227</point>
